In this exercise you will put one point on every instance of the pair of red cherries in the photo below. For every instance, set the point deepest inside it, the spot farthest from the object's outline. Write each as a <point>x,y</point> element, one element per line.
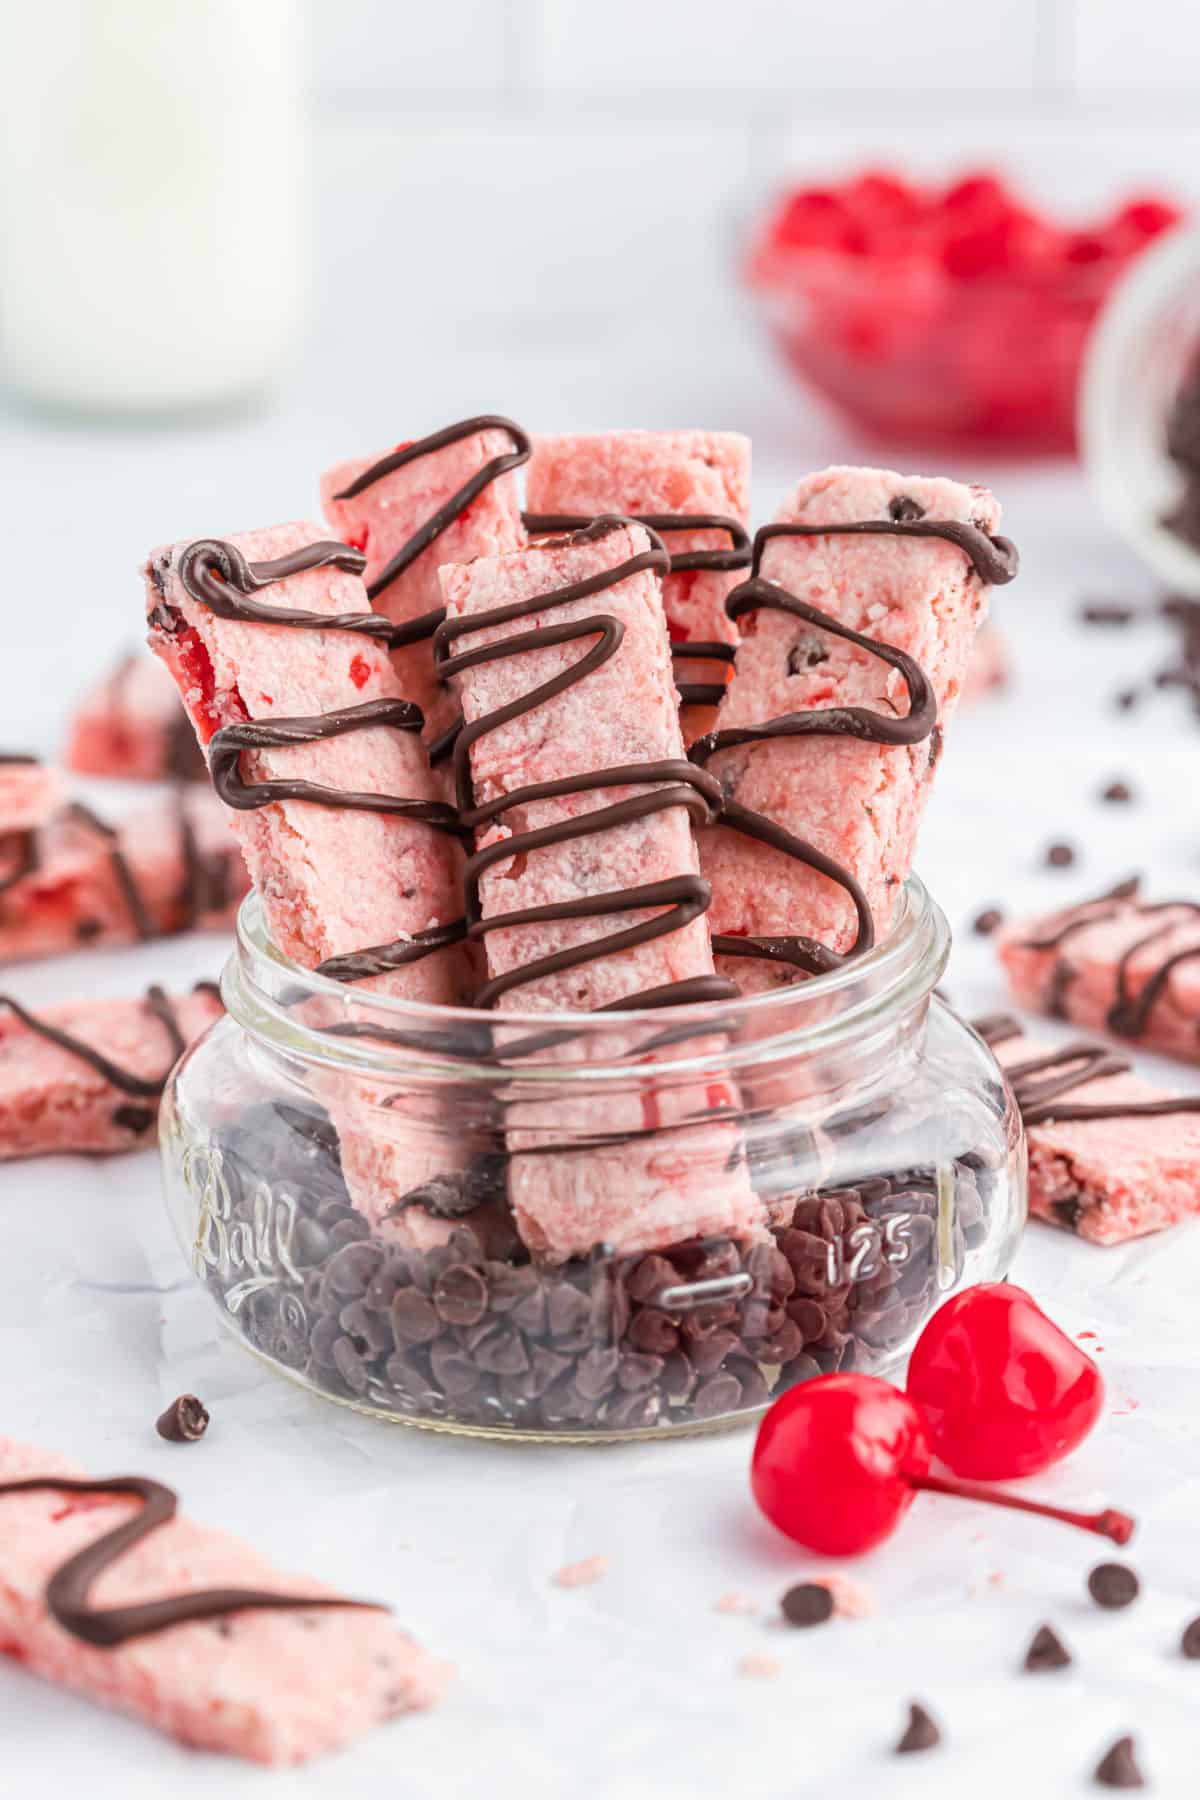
<point>995,1391</point>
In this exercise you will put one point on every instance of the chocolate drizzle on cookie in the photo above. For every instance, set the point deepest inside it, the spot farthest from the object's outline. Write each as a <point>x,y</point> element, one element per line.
<point>69,1588</point>
<point>714,561</point>
<point>1129,1013</point>
<point>125,1081</point>
<point>993,558</point>
<point>1039,1083</point>
<point>450,509</point>
<point>216,575</point>
<point>672,781</point>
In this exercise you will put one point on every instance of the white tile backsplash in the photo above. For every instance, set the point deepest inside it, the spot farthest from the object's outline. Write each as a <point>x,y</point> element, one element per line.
<point>1148,49</point>
<point>409,47</point>
<point>772,47</point>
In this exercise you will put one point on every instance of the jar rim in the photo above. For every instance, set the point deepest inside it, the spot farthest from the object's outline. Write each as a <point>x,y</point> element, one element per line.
<point>381,1034</point>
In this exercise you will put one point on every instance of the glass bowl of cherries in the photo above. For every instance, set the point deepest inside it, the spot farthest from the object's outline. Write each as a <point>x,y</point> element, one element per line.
<point>953,314</point>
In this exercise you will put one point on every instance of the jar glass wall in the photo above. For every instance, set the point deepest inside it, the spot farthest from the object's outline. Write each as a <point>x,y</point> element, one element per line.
<point>375,1194</point>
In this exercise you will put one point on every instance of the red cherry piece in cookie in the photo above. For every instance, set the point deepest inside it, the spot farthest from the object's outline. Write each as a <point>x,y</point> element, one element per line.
<point>1002,1390</point>
<point>839,1460</point>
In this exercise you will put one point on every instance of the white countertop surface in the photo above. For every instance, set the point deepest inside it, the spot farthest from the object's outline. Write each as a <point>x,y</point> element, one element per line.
<point>629,1687</point>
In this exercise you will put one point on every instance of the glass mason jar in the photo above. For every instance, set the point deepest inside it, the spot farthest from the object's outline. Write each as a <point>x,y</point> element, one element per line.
<point>352,1178</point>
<point>1144,349</point>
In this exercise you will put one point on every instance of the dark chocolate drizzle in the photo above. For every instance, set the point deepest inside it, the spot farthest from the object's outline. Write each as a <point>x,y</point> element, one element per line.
<point>673,782</point>
<point>217,576</point>
<point>1039,1082</point>
<point>691,693</point>
<point>126,1081</point>
<point>139,911</point>
<point>994,559</point>
<point>1129,1014</point>
<point>68,1590</point>
<point>458,502</point>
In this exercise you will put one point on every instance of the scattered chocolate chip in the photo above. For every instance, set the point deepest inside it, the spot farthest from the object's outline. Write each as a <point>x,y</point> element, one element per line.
<point>920,1733</point>
<point>1118,1767</point>
<point>989,920</point>
<point>904,508</point>
<point>185,1420</point>
<point>1189,1643</point>
<point>1119,793</point>
<point>1127,699</point>
<point>1059,856</point>
<point>1106,612</point>
<point>1046,1651</point>
<point>1113,1585</point>
<point>809,1603</point>
<point>87,929</point>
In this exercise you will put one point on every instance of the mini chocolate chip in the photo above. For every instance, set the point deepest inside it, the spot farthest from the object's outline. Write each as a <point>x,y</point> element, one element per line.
<point>1118,792</point>
<point>809,1603</point>
<point>350,1365</point>
<point>1127,699</point>
<point>807,653</point>
<point>1118,1768</point>
<point>1106,612</point>
<point>185,1420</point>
<point>903,508</point>
<point>989,920</point>
<point>351,1268</point>
<point>1113,1585</point>
<point>719,1394</point>
<point>87,929</point>
<point>1046,1651</point>
<point>920,1733</point>
<point>414,1320</point>
<point>1059,856</point>
<point>1190,1641</point>
<point>137,1119</point>
<point>460,1295</point>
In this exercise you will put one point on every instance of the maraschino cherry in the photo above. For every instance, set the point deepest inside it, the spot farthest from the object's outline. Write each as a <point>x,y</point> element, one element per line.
<point>839,1460</point>
<point>1002,1390</point>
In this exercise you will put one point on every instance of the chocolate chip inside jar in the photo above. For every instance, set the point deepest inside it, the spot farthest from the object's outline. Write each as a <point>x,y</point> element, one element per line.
<point>472,1331</point>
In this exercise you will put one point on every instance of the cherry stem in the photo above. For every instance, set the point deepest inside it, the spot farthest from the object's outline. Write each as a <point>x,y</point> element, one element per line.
<point>1110,1524</point>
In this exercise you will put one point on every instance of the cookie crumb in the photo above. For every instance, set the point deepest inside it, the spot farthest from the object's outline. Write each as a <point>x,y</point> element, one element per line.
<point>581,1574</point>
<point>760,1667</point>
<point>735,1603</point>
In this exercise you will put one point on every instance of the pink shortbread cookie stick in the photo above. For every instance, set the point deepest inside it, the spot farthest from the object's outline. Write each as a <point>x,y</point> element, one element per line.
<point>586,690</point>
<point>30,793</point>
<point>440,499</point>
<point>855,802</point>
<point>335,879</point>
<point>1117,963</point>
<point>1128,1166</point>
<point>131,727</point>
<point>669,477</point>
<point>89,1076</point>
<point>365,887</point>
<point>274,1684</point>
<point>170,866</point>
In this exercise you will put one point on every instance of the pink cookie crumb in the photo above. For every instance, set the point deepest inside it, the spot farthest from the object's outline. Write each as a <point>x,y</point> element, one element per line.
<point>850,1599</point>
<point>581,1574</point>
<point>759,1666</point>
<point>735,1603</point>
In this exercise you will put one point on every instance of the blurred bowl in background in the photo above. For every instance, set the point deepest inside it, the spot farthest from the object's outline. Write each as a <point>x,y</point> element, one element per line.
<point>1139,407</point>
<point>951,314</point>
